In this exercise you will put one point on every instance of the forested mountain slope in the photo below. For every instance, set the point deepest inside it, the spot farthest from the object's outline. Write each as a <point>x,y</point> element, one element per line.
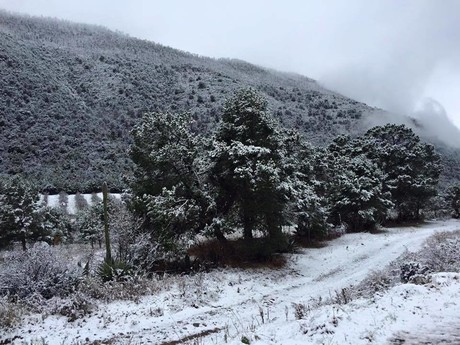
<point>70,94</point>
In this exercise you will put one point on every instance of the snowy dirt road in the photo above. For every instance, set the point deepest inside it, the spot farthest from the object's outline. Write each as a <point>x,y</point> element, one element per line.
<point>225,305</point>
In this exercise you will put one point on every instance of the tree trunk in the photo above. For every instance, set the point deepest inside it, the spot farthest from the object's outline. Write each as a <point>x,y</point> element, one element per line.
<point>108,247</point>
<point>23,241</point>
<point>220,236</point>
<point>247,227</point>
<point>247,232</point>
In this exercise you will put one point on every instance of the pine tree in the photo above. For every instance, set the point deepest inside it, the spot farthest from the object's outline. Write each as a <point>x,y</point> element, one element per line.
<point>412,168</point>
<point>18,210</point>
<point>453,198</point>
<point>308,205</point>
<point>55,225</point>
<point>169,189</point>
<point>89,224</point>
<point>247,167</point>
<point>356,192</point>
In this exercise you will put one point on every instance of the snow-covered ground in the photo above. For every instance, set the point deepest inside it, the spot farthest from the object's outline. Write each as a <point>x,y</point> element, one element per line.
<point>258,306</point>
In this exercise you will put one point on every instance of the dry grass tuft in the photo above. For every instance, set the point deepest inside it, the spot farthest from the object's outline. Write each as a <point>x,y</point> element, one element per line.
<point>238,253</point>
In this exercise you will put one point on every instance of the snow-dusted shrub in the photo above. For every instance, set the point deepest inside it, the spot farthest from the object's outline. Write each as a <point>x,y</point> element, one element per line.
<point>75,307</point>
<point>115,270</point>
<point>412,271</point>
<point>9,313</point>
<point>142,251</point>
<point>376,281</point>
<point>131,289</point>
<point>42,271</point>
<point>301,310</point>
<point>442,252</point>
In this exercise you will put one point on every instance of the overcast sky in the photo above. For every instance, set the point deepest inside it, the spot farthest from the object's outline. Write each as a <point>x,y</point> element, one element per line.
<point>390,53</point>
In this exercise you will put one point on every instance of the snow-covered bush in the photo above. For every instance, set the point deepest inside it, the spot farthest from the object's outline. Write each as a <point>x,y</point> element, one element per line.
<point>141,251</point>
<point>9,313</point>
<point>411,271</point>
<point>75,307</point>
<point>42,271</point>
<point>132,289</point>
<point>375,282</point>
<point>442,252</point>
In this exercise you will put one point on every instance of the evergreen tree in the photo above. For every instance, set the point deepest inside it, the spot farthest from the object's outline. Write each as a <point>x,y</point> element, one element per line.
<point>308,206</point>
<point>169,188</point>
<point>453,198</point>
<point>18,210</point>
<point>357,197</point>
<point>356,192</point>
<point>412,168</point>
<point>247,167</point>
<point>90,225</point>
<point>55,225</point>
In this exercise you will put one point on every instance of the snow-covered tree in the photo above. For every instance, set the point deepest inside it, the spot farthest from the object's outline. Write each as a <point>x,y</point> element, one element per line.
<point>357,197</point>
<point>412,168</point>
<point>247,167</point>
<point>89,224</point>
<point>55,225</point>
<point>453,198</point>
<point>169,188</point>
<point>18,210</point>
<point>356,193</point>
<point>308,206</point>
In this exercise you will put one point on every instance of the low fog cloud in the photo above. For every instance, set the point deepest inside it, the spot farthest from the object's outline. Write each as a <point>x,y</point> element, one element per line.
<point>414,42</point>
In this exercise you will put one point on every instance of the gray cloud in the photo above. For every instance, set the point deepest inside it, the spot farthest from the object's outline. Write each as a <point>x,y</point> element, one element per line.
<point>387,53</point>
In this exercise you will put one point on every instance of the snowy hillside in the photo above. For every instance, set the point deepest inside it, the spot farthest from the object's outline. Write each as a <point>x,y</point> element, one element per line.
<point>312,300</point>
<point>71,93</point>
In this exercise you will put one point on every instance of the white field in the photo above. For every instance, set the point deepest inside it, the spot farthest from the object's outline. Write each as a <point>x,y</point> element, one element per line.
<point>258,303</point>
<point>53,200</point>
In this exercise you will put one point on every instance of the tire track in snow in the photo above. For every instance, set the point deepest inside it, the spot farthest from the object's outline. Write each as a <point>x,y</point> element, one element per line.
<point>248,299</point>
<point>359,253</point>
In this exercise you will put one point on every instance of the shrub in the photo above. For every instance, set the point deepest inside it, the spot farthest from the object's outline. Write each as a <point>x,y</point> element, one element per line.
<point>116,270</point>
<point>76,307</point>
<point>9,313</point>
<point>42,271</point>
<point>411,270</point>
<point>442,252</point>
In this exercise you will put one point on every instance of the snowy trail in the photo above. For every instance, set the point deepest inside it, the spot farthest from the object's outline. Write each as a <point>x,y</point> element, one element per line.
<point>229,303</point>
